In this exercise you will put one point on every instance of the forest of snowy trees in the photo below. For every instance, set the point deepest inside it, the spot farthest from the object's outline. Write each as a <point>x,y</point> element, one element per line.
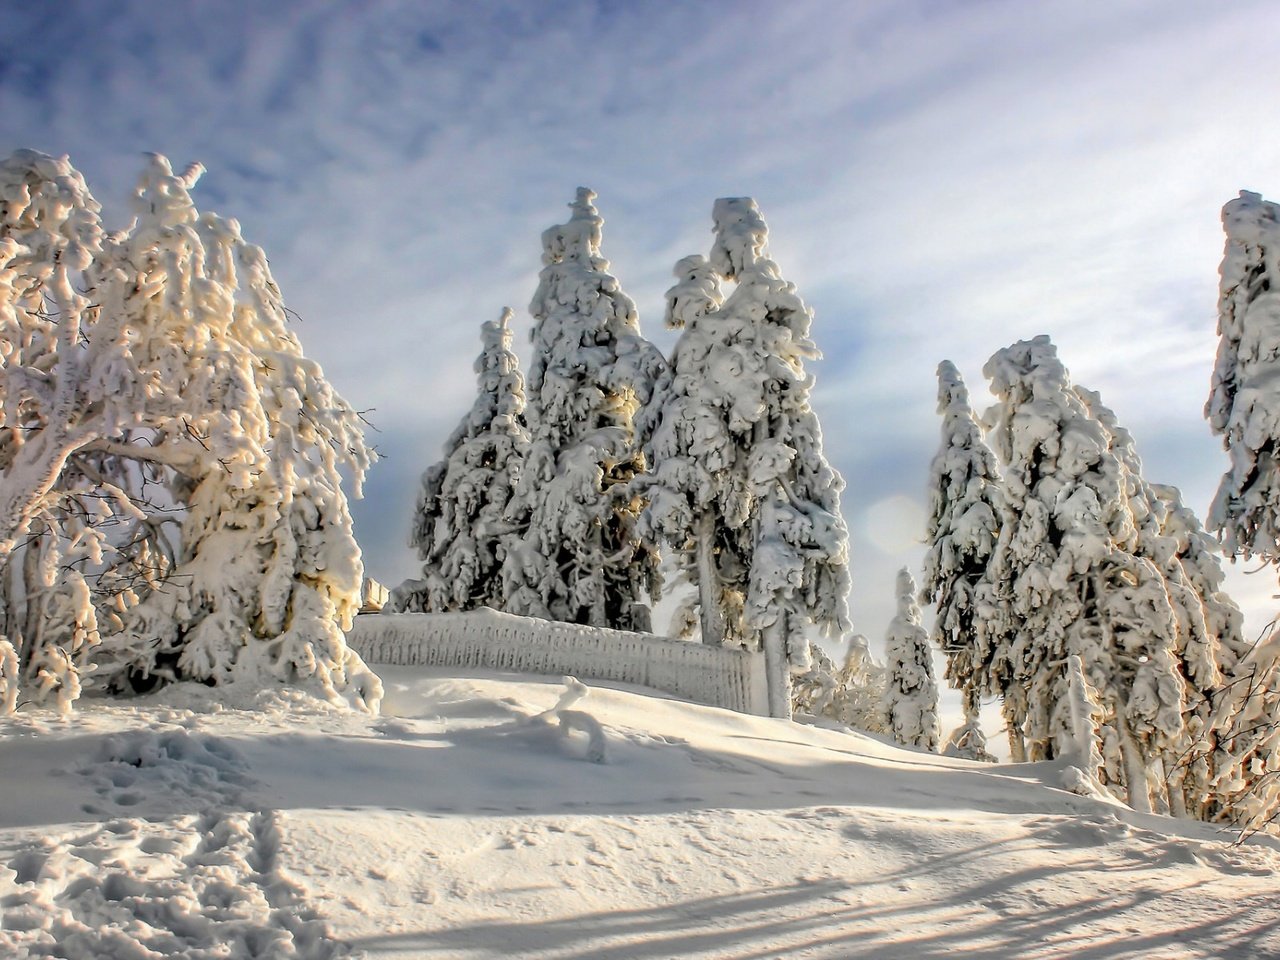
<point>172,504</point>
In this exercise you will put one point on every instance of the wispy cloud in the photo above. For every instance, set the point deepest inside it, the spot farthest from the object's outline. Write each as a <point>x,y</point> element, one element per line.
<point>940,179</point>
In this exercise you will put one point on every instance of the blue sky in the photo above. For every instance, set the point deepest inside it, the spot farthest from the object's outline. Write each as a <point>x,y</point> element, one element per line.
<point>940,179</point>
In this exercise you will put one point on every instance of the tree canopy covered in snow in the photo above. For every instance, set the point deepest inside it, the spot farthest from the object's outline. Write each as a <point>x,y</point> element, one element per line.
<point>170,496</point>
<point>581,559</point>
<point>911,695</point>
<point>740,486</point>
<point>1244,405</point>
<point>968,523</point>
<point>1081,583</point>
<point>460,527</point>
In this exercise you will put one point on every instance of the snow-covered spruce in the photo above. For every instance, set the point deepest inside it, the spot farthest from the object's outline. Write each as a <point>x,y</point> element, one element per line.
<point>1081,584</point>
<point>167,444</point>
<point>580,559</point>
<point>1244,405</point>
<point>969,522</point>
<point>1244,409</point>
<point>459,527</point>
<point>740,488</point>
<point>911,695</point>
<point>1208,642</point>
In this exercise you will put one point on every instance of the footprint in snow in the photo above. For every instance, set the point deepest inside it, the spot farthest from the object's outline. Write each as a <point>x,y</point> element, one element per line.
<point>191,886</point>
<point>164,770</point>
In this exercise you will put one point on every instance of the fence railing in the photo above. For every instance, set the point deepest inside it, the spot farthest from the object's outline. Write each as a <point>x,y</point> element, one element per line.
<point>489,640</point>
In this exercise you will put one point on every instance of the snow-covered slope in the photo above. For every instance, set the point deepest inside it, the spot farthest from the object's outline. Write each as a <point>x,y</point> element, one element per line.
<point>462,824</point>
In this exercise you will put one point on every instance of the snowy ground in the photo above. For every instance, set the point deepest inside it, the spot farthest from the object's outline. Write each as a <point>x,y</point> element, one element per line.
<point>457,826</point>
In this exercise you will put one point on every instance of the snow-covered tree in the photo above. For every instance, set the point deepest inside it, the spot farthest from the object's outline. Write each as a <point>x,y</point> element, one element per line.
<point>580,559</point>
<point>814,692</point>
<point>1081,585</point>
<point>1244,409</point>
<point>459,527</point>
<point>1244,404</point>
<point>860,698</point>
<point>968,518</point>
<point>740,487</point>
<point>1217,769</point>
<point>851,694</point>
<point>170,479</point>
<point>911,695</point>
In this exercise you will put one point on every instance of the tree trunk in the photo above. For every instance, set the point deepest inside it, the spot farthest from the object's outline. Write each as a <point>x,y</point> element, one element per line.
<point>709,593</point>
<point>777,668</point>
<point>1137,789</point>
<point>1013,712</point>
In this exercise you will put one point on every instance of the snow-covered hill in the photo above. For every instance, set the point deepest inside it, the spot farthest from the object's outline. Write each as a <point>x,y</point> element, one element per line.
<point>461,825</point>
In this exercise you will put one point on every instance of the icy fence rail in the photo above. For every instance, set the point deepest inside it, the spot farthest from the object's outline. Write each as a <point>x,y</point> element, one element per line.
<point>487,639</point>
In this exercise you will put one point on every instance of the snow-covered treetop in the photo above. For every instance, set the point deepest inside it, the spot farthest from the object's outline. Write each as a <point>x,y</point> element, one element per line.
<point>500,401</point>
<point>741,236</point>
<point>965,470</point>
<point>1244,405</point>
<point>1053,447</point>
<point>215,311</point>
<point>49,215</point>
<point>696,293</point>
<point>590,367</point>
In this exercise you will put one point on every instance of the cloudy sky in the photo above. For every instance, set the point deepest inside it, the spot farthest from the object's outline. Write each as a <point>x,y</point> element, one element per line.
<point>940,179</point>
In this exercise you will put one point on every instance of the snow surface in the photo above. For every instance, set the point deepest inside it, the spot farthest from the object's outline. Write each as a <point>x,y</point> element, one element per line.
<point>461,824</point>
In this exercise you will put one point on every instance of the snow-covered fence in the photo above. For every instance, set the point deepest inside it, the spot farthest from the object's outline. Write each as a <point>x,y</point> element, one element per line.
<point>486,639</point>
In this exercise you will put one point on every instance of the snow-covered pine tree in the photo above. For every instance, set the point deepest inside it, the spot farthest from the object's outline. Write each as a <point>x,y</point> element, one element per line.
<point>1231,759</point>
<point>911,695</point>
<point>166,441</point>
<point>580,559</point>
<point>968,518</point>
<point>1201,649</point>
<point>1244,409</point>
<point>1244,406</point>
<point>1080,583</point>
<point>459,527</point>
<point>740,487</point>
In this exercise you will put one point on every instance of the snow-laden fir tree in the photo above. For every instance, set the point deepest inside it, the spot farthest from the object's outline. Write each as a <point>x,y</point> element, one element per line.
<point>1244,409</point>
<point>580,559</point>
<point>459,526</point>
<point>1230,768</point>
<point>1244,404</point>
<point>1208,643</point>
<point>1080,583</point>
<point>1216,769</point>
<point>911,695</point>
<point>170,482</point>
<point>740,488</point>
<point>968,518</point>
